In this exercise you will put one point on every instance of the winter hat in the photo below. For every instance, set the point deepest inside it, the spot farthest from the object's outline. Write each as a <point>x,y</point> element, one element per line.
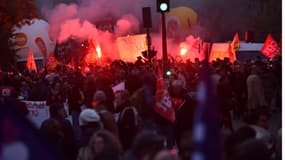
<point>88,116</point>
<point>99,96</point>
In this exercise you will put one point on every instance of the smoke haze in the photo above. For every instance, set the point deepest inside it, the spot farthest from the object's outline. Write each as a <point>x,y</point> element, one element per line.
<point>128,24</point>
<point>79,19</point>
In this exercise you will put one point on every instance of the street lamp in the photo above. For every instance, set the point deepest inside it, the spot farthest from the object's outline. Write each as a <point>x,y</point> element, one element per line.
<point>162,7</point>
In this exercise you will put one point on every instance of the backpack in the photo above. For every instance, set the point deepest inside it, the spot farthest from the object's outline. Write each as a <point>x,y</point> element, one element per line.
<point>123,122</point>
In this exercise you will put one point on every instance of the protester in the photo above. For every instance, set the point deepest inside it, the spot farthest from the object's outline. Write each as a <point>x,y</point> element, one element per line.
<point>93,106</point>
<point>89,121</point>
<point>145,146</point>
<point>107,117</point>
<point>75,99</point>
<point>234,139</point>
<point>184,106</point>
<point>58,127</point>
<point>24,90</point>
<point>252,149</point>
<point>103,145</point>
<point>261,126</point>
<point>225,96</point>
<point>103,83</point>
<point>128,119</point>
<point>256,99</point>
<point>56,95</point>
<point>51,130</point>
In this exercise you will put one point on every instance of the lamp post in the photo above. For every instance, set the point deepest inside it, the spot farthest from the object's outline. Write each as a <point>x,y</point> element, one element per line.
<point>162,7</point>
<point>164,44</point>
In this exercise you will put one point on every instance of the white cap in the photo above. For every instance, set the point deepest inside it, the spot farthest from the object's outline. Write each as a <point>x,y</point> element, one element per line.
<point>88,115</point>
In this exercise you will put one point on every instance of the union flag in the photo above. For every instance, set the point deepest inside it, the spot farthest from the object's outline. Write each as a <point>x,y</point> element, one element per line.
<point>235,43</point>
<point>270,47</point>
<point>163,103</point>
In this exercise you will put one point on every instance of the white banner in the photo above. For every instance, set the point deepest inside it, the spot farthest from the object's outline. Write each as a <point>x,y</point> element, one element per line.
<point>119,87</point>
<point>38,112</point>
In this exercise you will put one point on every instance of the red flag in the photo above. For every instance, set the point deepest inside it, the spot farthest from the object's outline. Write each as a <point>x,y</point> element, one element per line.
<point>163,104</point>
<point>91,56</point>
<point>235,43</point>
<point>51,62</point>
<point>231,53</point>
<point>270,47</point>
<point>31,64</point>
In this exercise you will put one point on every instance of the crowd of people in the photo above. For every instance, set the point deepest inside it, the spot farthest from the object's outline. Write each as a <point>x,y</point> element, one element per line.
<point>123,124</point>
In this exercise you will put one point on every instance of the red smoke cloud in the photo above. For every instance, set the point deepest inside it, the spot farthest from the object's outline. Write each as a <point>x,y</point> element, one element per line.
<point>78,21</point>
<point>59,15</point>
<point>128,24</point>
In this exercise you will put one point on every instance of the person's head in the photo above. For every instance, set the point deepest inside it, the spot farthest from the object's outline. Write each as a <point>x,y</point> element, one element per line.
<point>241,135</point>
<point>88,116</point>
<point>24,85</point>
<point>66,84</point>
<point>99,97</point>
<point>104,142</point>
<point>147,143</point>
<point>51,129</point>
<point>121,97</point>
<point>56,85</point>
<point>252,149</point>
<point>57,111</point>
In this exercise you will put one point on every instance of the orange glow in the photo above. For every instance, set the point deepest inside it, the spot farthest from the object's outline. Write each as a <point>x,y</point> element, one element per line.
<point>130,47</point>
<point>98,50</point>
<point>183,49</point>
<point>90,57</point>
<point>93,53</point>
<point>222,50</point>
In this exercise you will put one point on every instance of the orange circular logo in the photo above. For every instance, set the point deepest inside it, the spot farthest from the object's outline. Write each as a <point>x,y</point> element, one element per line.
<point>21,39</point>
